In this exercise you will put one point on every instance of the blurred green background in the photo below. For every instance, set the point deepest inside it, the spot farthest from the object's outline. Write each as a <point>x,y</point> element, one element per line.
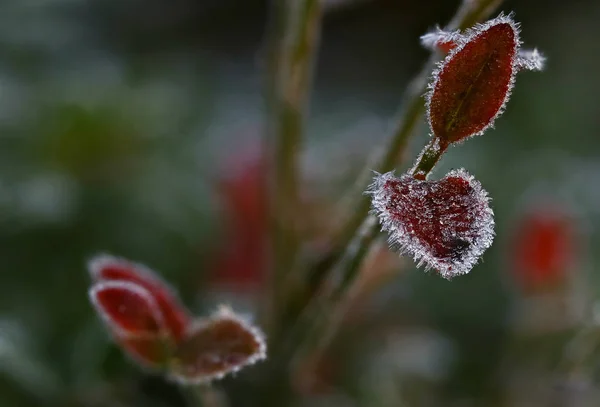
<point>118,118</point>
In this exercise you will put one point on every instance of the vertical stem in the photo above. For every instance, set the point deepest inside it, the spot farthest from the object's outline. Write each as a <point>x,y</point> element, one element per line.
<point>294,40</point>
<point>410,113</point>
<point>359,232</point>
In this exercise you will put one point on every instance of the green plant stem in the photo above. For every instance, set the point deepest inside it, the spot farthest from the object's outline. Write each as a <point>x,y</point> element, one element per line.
<point>428,158</point>
<point>388,156</point>
<point>351,247</point>
<point>294,39</point>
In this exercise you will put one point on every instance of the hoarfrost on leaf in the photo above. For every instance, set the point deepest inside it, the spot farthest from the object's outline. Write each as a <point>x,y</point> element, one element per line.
<point>446,225</point>
<point>532,60</point>
<point>213,348</point>
<point>472,85</point>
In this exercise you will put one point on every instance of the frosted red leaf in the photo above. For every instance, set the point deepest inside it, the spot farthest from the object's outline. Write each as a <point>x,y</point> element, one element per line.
<point>127,309</point>
<point>446,225</point>
<point>213,348</point>
<point>109,268</point>
<point>473,84</point>
<point>544,247</point>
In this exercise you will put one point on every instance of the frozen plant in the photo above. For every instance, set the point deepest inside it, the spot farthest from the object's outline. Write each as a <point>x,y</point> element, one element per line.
<point>448,224</point>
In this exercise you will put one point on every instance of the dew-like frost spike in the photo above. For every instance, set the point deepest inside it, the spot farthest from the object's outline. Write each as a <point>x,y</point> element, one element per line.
<point>221,345</point>
<point>446,225</point>
<point>472,85</point>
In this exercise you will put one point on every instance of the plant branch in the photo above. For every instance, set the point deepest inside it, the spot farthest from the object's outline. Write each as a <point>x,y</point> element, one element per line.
<point>293,40</point>
<point>390,154</point>
<point>360,229</point>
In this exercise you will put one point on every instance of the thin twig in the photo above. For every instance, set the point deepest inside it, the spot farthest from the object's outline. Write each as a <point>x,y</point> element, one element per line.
<point>360,230</point>
<point>293,40</point>
<point>388,156</point>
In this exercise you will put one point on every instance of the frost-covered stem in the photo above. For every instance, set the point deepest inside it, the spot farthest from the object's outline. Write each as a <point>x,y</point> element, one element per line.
<point>294,39</point>
<point>342,263</point>
<point>428,158</point>
<point>411,111</point>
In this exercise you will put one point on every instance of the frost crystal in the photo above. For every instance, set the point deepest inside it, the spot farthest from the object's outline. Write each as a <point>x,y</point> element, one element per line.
<point>532,60</point>
<point>445,225</point>
<point>441,40</point>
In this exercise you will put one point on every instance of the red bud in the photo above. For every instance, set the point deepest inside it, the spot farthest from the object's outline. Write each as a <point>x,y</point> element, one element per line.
<point>127,309</point>
<point>174,315</point>
<point>473,83</point>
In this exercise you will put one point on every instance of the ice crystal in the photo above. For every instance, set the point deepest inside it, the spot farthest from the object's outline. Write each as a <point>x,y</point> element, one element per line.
<point>215,347</point>
<point>445,225</point>
<point>532,60</point>
<point>446,41</point>
<point>441,40</point>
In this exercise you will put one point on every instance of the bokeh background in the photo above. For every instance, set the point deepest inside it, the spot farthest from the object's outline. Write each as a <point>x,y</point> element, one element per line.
<point>133,127</point>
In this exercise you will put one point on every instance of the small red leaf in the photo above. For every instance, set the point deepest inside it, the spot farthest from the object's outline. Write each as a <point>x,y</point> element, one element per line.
<point>127,309</point>
<point>175,316</point>
<point>221,345</point>
<point>445,224</point>
<point>473,83</point>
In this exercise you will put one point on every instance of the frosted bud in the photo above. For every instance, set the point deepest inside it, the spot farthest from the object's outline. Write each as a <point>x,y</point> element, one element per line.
<point>471,86</point>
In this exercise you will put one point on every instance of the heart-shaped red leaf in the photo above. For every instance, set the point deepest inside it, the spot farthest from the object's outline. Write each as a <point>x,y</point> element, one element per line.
<point>175,316</point>
<point>473,84</point>
<point>127,309</point>
<point>223,344</point>
<point>445,224</point>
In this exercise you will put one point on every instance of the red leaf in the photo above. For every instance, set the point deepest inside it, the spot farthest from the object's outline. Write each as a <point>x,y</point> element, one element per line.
<point>213,348</point>
<point>446,224</point>
<point>175,316</point>
<point>473,83</point>
<point>127,309</point>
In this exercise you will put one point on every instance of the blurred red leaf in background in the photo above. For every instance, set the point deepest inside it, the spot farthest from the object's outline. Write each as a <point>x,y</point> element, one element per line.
<point>239,262</point>
<point>545,247</point>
